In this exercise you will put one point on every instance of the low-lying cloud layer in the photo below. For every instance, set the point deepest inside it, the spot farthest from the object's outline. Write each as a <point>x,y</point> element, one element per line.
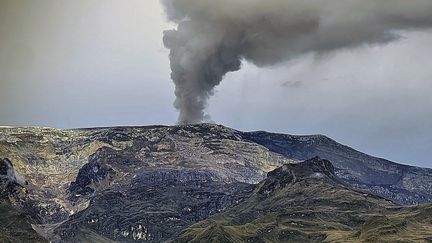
<point>214,37</point>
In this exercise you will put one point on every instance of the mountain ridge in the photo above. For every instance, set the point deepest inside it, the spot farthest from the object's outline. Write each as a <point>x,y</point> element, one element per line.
<point>401,163</point>
<point>306,202</point>
<point>68,174</point>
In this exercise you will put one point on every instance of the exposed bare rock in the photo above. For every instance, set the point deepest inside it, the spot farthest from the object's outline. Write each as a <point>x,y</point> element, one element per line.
<point>73,184</point>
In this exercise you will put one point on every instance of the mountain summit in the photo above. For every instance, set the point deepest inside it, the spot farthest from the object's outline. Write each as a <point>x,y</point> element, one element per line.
<point>306,202</point>
<point>186,183</point>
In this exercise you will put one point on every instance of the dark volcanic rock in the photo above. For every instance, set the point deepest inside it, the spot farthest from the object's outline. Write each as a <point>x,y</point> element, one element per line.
<point>14,225</point>
<point>154,206</point>
<point>8,183</point>
<point>14,222</point>
<point>92,175</point>
<point>15,192</point>
<point>401,183</point>
<point>137,183</point>
<point>291,173</point>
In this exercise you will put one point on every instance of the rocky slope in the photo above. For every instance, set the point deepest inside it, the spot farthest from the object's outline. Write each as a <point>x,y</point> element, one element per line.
<point>306,202</point>
<point>14,226</point>
<point>154,206</point>
<point>403,184</point>
<point>14,223</point>
<point>150,183</point>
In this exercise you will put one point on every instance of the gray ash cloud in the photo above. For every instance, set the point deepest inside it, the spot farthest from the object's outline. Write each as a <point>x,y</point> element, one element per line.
<point>214,37</point>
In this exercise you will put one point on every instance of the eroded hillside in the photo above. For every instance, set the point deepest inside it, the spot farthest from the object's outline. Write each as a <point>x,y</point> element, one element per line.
<point>151,183</point>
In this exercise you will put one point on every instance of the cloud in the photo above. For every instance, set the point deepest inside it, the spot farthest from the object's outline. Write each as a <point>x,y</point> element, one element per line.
<point>214,37</point>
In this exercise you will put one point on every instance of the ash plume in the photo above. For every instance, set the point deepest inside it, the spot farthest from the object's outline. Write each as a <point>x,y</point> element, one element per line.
<point>214,37</point>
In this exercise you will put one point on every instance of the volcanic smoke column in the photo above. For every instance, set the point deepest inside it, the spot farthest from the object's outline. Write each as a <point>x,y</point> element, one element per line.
<point>200,57</point>
<point>214,36</point>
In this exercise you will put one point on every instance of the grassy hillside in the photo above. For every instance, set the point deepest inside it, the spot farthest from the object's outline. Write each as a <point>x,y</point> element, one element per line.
<point>307,203</point>
<point>14,226</point>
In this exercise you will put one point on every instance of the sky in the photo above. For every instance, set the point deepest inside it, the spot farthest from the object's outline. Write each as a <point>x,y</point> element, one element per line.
<point>86,63</point>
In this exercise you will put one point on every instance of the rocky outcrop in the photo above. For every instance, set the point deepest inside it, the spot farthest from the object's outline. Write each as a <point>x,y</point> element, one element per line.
<point>15,226</point>
<point>81,184</point>
<point>306,202</point>
<point>403,184</point>
<point>14,222</point>
<point>8,182</point>
<point>92,176</point>
<point>154,206</point>
<point>293,173</point>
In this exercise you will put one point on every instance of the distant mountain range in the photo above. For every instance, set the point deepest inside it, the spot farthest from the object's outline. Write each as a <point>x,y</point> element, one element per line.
<point>203,183</point>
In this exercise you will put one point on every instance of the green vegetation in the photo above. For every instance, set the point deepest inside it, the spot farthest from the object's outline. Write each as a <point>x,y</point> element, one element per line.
<point>307,203</point>
<point>14,226</point>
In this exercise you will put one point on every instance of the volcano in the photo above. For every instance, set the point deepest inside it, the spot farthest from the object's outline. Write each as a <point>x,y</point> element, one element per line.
<point>201,183</point>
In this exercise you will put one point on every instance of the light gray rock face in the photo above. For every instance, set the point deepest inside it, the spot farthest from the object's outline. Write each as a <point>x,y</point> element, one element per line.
<point>64,176</point>
<point>64,169</point>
